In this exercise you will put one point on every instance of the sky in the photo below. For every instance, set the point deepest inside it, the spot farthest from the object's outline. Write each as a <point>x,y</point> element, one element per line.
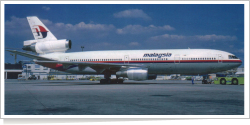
<point>131,26</point>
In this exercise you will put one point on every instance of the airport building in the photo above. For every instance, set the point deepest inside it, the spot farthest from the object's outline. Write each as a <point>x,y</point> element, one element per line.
<point>28,69</point>
<point>12,70</point>
<point>43,73</point>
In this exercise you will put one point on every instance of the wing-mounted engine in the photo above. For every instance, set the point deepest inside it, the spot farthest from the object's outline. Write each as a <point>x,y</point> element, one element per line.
<point>47,46</point>
<point>136,74</point>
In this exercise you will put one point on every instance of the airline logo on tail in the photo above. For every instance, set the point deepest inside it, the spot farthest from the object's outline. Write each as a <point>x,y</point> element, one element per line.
<point>41,31</point>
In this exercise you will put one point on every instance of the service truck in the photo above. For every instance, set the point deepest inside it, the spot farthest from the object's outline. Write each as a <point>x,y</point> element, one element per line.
<point>230,80</point>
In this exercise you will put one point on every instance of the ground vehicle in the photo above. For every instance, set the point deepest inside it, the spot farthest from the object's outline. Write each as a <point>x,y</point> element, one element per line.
<point>189,78</point>
<point>207,80</point>
<point>52,77</point>
<point>21,77</point>
<point>95,78</point>
<point>230,79</point>
<point>32,77</point>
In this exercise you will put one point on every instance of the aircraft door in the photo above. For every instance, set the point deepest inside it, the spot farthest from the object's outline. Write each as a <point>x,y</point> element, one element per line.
<point>219,58</point>
<point>177,59</point>
<point>126,59</point>
<point>66,58</point>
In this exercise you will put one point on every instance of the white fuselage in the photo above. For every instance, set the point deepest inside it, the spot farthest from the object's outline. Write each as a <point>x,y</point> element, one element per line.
<point>164,61</point>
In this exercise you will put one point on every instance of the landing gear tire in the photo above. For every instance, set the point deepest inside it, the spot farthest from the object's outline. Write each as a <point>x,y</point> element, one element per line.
<point>234,81</point>
<point>111,81</point>
<point>120,81</point>
<point>104,81</point>
<point>223,81</point>
<point>204,81</point>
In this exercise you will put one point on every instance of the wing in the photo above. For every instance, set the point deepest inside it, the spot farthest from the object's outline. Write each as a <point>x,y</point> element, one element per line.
<point>30,55</point>
<point>99,67</point>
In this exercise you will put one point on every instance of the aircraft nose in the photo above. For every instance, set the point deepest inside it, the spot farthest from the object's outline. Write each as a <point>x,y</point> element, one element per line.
<point>239,62</point>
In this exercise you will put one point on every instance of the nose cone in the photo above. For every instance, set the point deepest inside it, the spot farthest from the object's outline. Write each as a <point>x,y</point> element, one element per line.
<point>238,63</point>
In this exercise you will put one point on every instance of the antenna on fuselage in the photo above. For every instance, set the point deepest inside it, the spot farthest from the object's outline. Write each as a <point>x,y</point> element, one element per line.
<point>82,47</point>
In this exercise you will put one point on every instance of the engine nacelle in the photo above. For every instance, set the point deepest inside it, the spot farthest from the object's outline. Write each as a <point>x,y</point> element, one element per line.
<point>136,74</point>
<point>47,46</point>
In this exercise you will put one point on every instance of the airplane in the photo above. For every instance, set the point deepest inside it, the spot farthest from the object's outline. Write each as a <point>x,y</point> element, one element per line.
<point>131,64</point>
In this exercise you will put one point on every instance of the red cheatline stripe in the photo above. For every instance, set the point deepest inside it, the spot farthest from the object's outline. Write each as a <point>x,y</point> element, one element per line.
<point>168,61</point>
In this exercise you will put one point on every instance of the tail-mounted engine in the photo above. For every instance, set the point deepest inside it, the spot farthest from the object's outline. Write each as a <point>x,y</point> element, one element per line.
<point>47,46</point>
<point>136,74</point>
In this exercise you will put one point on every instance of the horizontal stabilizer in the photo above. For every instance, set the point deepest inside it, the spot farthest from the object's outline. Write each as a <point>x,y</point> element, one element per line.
<point>30,55</point>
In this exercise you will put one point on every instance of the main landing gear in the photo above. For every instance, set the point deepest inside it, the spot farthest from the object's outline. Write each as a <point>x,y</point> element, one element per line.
<point>107,79</point>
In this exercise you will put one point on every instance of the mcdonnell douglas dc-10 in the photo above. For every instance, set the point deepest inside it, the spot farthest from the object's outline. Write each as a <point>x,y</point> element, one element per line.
<point>132,64</point>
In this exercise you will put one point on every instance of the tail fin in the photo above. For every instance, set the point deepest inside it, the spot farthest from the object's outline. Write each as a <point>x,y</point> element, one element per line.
<point>39,30</point>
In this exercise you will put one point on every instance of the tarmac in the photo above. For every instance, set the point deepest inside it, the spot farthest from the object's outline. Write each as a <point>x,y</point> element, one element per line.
<point>150,97</point>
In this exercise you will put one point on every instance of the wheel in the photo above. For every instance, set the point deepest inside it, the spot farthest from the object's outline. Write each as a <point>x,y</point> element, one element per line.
<point>235,81</point>
<point>103,81</point>
<point>223,81</point>
<point>203,82</point>
<point>113,81</point>
<point>120,81</point>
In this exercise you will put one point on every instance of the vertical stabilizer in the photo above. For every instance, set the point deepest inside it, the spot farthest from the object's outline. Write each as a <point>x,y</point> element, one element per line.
<point>39,30</point>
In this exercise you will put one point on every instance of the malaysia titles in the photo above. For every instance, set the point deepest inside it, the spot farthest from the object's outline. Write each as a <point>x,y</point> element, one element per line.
<point>159,55</point>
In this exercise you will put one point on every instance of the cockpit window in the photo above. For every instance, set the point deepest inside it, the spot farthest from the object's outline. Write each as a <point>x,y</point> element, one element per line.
<point>232,57</point>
